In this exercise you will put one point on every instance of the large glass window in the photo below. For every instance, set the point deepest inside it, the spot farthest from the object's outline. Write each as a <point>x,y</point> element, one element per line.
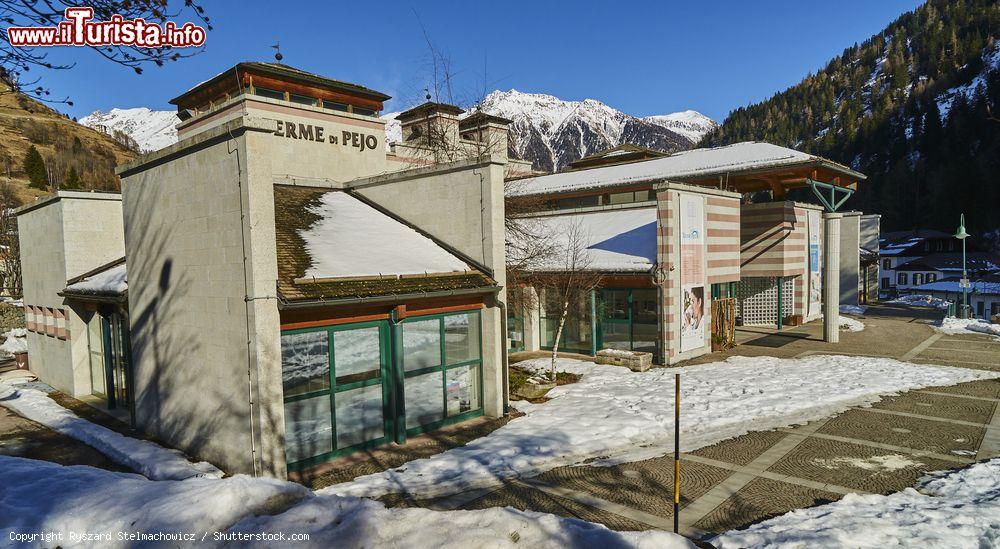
<point>333,388</point>
<point>443,368</point>
<point>421,344</point>
<point>336,382</point>
<point>363,111</point>
<point>305,364</point>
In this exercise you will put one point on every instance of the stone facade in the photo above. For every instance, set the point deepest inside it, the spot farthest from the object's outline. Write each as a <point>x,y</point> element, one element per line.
<point>62,237</point>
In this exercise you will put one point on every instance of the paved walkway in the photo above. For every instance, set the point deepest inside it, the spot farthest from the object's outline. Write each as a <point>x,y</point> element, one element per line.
<point>882,449</point>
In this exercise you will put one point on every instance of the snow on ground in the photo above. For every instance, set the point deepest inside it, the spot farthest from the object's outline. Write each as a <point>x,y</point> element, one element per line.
<point>954,509</point>
<point>12,301</point>
<point>38,496</point>
<point>850,324</point>
<point>152,460</point>
<point>614,415</point>
<point>15,341</point>
<point>334,521</point>
<point>921,300</point>
<point>952,326</point>
<point>853,309</point>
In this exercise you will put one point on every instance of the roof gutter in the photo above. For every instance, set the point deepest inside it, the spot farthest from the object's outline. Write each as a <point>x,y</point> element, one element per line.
<point>387,298</point>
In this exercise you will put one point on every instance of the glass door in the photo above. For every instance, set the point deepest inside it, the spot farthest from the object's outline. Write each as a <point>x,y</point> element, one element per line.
<point>95,346</point>
<point>335,390</point>
<point>628,319</point>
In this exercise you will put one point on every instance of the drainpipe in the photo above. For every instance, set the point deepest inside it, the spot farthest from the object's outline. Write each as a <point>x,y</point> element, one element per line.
<point>504,357</point>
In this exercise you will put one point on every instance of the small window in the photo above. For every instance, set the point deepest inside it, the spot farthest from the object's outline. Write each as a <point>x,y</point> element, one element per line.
<point>622,198</point>
<point>334,106</point>
<point>363,111</point>
<point>887,264</point>
<point>931,277</point>
<point>918,279</point>
<point>301,99</point>
<point>901,279</point>
<point>272,94</point>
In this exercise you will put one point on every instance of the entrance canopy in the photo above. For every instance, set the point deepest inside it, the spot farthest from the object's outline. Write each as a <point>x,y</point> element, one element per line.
<point>741,167</point>
<point>107,283</point>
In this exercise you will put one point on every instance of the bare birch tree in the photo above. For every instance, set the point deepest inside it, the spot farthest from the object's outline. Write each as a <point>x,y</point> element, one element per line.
<point>572,280</point>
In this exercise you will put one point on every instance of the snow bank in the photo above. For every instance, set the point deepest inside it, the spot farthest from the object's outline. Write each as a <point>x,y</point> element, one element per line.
<point>15,341</point>
<point>152,460</point>
<point>921,300</point>
<point>853,309</point>
<point>850,324</point>
<point>952,326</point>
<point>615,415</point>
<point>333,521</point>
<point>38,496</point>
<point>955,509</point>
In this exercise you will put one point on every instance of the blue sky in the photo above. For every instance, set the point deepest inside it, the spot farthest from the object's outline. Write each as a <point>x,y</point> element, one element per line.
<point>642,58</point>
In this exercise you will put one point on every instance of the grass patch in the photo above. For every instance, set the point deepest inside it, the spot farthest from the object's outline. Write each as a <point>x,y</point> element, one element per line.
<point>517,377</point>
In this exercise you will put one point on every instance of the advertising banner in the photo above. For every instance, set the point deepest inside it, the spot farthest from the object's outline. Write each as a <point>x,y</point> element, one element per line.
<point>815,275</point>
<point>692,229</point>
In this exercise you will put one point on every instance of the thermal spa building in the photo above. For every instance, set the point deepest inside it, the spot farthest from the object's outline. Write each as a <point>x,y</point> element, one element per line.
<point>279,288</point>
<point>670,235</point>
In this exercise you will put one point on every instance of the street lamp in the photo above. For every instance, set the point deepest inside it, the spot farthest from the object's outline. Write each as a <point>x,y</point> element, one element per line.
<point>964,283</point>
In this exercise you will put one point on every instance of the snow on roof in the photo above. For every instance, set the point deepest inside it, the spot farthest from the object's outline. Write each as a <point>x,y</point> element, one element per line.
<point>354,239</point>
<point>111,281</point>
<point>616,240</point>
<point>987,287</point>
<point>693,163</point>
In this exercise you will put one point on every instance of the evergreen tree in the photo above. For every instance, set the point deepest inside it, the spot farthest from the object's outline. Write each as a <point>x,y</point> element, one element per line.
<point>34,167</point>
<point>72,181</point>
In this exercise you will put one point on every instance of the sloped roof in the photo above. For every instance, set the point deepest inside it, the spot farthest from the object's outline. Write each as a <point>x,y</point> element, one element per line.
<point>106,281</point>
<point>987,285</point>
<point>620,240</point>
<point>692,164</point>
<point>335,245</point>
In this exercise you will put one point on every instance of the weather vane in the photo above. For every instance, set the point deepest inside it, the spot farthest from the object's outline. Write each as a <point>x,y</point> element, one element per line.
<point>277,55</point>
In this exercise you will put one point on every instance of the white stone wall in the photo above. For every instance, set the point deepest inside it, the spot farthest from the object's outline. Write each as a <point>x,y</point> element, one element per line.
<point>198,347</point>
<point>62,238</point>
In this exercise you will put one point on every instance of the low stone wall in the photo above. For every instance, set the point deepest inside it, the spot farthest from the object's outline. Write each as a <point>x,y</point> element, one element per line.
<point>636,361</point>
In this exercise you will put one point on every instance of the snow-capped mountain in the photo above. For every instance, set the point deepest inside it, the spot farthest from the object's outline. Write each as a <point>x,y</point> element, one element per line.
<point>151,130</point>
<point>691,124</point>
<point>546,130</point>
<point>551,132</point>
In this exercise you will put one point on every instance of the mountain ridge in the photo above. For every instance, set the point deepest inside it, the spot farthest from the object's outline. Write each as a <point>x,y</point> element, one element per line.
<point>548,131</point>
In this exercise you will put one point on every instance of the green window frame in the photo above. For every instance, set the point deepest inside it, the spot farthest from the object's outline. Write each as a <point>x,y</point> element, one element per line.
<point>334,388</point>
<point>444,366</point>
<point>392,377</point>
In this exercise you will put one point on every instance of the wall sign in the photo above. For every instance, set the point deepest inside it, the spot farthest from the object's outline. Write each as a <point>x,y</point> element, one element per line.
<point>692,229</point>
<point>313,132</point>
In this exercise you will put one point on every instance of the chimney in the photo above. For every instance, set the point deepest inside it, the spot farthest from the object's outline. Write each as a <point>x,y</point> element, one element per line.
<point>431,124</point>
<point>486,131</point>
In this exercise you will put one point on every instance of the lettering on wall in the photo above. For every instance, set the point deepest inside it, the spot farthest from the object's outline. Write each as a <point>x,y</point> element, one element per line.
<point>311,132</point>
